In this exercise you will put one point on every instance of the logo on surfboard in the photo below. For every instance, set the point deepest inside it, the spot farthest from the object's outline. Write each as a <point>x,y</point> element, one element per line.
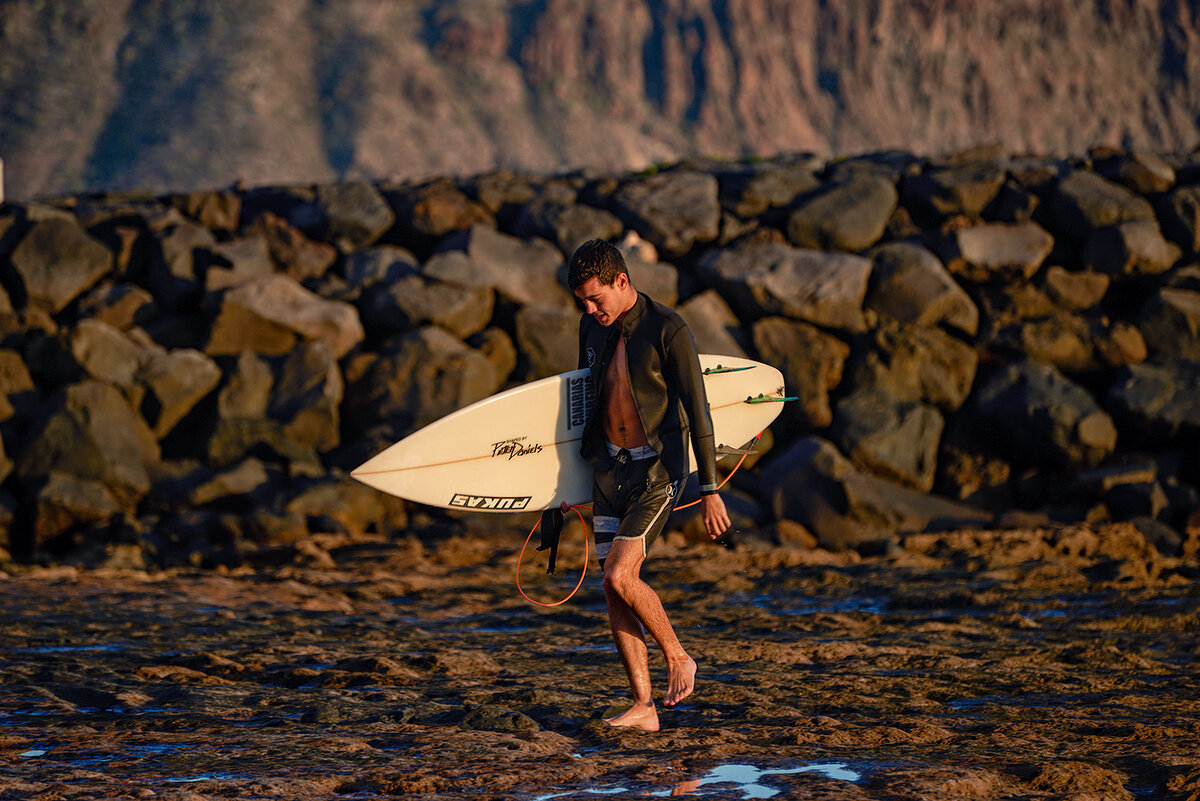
<point>466,501</point>
<point>513,448</point>
<point>579,401</point>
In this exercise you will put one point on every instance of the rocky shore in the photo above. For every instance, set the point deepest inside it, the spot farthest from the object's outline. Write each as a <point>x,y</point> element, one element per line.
<point>1018,664</point>
<point>965,561</point>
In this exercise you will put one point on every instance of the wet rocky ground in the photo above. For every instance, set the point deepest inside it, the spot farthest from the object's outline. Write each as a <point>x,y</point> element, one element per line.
<point>1033,664</point>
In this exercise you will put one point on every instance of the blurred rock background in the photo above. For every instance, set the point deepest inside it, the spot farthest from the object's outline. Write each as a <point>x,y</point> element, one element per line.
<point>976,340</point>
<point>175,95</point>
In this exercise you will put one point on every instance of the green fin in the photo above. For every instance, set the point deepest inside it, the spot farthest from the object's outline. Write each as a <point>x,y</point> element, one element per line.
<point>723,369</point>
<point>770,399</point>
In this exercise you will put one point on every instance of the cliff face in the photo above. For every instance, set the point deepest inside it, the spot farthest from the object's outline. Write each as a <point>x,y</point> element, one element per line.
<point>172,94</point>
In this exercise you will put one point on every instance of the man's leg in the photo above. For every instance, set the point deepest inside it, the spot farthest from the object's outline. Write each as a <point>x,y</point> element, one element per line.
<point>635,602</point>
<point>629,637</point>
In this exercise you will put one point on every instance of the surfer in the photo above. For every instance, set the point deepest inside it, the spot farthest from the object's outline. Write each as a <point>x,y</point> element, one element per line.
<point>650,405</point>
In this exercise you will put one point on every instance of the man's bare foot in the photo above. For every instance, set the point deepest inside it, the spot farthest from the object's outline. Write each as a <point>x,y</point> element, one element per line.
<point>641,716</point>
<point>681,681</point>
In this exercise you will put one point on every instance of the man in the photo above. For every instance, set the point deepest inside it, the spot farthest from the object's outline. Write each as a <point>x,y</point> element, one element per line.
<point>650,402</point>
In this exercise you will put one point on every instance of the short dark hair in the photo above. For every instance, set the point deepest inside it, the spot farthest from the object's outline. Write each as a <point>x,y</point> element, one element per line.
<point>595,258</point>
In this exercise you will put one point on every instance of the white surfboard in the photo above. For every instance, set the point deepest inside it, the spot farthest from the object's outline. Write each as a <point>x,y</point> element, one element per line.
<point>518,450</point>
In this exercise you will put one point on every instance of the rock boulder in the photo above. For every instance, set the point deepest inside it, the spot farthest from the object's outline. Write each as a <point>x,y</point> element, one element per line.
<point>674,209</point>
<point>57,261</point>
<point>1170,322</point>
<point>1034,415</point>
<point>811,362</point>
<point>826,289</point>
<point>271,314</point>
<point>888,438</point>
<point>1084,202</point>
<point>1158,401</point>
<point>998,253</point>
<point>910,284</point>
<point>848,216</point>
<point>549,338</point>
<point>93,434</point>
<point>813,484</point>
<point>521,272</point>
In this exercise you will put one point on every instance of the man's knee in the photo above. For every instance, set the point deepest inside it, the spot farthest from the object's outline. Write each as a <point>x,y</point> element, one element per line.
<point>619,579</point>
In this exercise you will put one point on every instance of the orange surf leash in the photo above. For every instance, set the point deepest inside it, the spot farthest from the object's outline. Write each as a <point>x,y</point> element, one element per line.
<point>583,572</point>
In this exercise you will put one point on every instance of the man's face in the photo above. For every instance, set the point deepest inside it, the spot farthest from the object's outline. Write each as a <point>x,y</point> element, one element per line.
<point>604,303</point>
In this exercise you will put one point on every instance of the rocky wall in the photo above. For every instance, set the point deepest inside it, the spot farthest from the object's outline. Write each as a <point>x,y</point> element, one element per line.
<point>981,339</point>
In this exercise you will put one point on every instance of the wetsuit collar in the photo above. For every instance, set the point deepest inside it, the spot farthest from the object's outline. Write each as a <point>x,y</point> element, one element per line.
<point>629,319</point>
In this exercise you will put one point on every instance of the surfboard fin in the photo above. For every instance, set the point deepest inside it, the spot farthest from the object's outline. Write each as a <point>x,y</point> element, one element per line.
<point>552,526</point>
<point>720,368</point>
<point>725,450</point>
<point>771,399</point>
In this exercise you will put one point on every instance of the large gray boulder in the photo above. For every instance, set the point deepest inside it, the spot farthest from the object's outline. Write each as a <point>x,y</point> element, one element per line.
<point>415,300</point>
<point>291,251</point>
<point>556,216</point>
<point>811,362</point>
<point>1034,415</point>
<point>889,438</point>
<point>169,385</point>
<point>916,364</point>
<point>173,275</point>
<point>376,267</point>
<point>238,261</point>
<point>120,305</point>
<point>519,271</point>
<point>307,396</point>
<point>1170,322</point>
<point>674,209</point>
<point>270,315</point>
<point>813,484</point>
<point>92,433</point>
<point>1143,173</point>
<point>67,502</point>
<point>1179,213</point>
<point>752,189</point>
<point>909,284</point>
<point>954,189</point>
<point>1075,290</point>
<point>826,289</point>
<point>356,214</point>
<point>657,279</point>
<point>17,390</point>
<point>239,487</point>
<point>247,391</point>
<point>235,439</point>
<point>713,324</point>
<point>57,261</point>
<point>107,354</point>
<point>1130,250</point>
<point>1074,343</point>
<point>1158,401</point>
<point>848,216</point>
<point>216,210</point>
<point>548,336</point>
<point>997,252</point>
<point>1084,202</point>
<point>426,375</point>
<point>429,212</point>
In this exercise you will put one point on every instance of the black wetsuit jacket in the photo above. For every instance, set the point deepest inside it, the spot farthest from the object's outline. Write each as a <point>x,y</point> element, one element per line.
<point>667,387</point>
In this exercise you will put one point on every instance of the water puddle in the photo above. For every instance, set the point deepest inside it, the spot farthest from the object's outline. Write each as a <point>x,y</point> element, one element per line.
<point>71,649</point>
<point>204,777</point>
<point>746,779</point>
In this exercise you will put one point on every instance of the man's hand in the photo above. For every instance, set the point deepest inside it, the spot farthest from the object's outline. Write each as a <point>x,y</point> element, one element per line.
<point>716,518</point>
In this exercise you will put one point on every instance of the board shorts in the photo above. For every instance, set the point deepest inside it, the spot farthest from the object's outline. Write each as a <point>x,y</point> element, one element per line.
<point>626,505</point>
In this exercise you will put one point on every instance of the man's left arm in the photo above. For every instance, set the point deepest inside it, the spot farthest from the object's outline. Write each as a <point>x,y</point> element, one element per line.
<point>685,364</point>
